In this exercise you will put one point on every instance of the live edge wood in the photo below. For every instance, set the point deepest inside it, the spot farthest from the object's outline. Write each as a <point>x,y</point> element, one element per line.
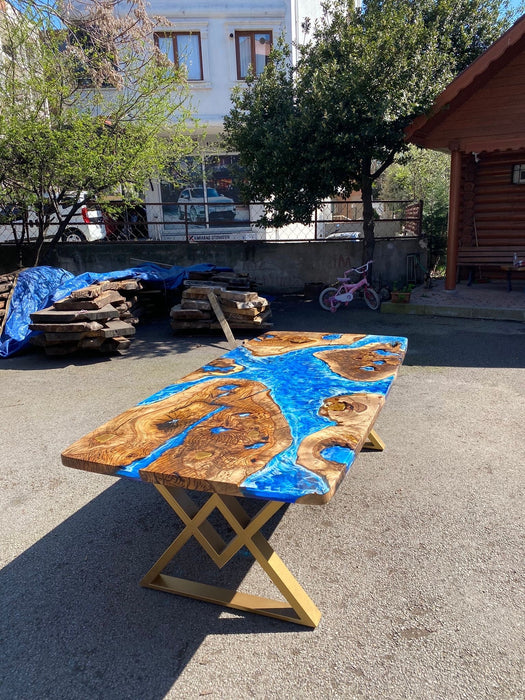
<point>281,418</point>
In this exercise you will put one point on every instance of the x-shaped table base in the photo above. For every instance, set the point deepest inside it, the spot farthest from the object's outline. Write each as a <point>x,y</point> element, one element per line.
<point>298,608</point>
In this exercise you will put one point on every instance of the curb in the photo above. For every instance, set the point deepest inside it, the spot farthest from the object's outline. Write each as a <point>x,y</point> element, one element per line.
<point>387,307</point>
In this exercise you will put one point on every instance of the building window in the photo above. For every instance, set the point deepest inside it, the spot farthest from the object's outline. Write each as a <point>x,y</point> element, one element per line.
<point>253,49</point>
<point>182,49</point>
<point>518,174</point>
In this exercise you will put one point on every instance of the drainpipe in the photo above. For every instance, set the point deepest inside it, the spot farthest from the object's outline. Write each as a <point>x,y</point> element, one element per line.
<point>453,219</point>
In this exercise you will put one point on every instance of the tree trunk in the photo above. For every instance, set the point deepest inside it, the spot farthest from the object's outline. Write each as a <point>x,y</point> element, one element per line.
<point>368,212</point>
<point>62,226</point>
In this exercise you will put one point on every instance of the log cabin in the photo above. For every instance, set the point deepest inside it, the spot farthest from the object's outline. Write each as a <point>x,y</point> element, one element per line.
<point>480,120</point>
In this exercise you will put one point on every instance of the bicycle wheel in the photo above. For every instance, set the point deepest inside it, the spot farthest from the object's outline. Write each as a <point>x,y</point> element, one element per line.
<point>371,298</point>
<point>325,297</point>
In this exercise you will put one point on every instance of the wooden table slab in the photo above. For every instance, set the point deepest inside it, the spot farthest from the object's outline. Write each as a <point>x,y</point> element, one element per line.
<point>281,418</point>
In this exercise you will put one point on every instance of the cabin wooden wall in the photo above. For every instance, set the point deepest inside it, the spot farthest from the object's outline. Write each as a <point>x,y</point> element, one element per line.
<point>492,207</point>
<point>488,117</point>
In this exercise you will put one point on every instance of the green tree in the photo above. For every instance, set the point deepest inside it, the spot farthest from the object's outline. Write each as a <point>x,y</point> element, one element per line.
<point>86,105</point>
<point>423,175</point>
<point>334,122</point>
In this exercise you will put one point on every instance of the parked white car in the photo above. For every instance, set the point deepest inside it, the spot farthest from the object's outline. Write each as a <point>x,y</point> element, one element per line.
<point>87,224</point>
<point>192,205</point>
<point>344,235</point>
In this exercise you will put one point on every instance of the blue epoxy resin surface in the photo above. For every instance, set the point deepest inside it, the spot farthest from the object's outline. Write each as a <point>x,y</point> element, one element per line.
<point>281,418</point>
<point>298,381</point>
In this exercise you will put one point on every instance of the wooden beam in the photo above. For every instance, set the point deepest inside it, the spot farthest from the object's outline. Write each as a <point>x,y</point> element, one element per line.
<point>453,220</point>
<point>222,320</point>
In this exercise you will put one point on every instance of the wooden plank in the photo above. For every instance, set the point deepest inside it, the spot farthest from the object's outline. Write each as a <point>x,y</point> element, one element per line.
<point>125,285</point>
<point>255,304</point>
<point>222,320</point>
<point>94,290</point>
<point>201,304</point>
<point>110,330</point>
<point>199,292</point>
<point>244,314</point>
<point>109,297</point>
<point>114,329</point>
<point>66,327</point>
<point>90,292</point>
<point>226,276</point>
<point>234,282</point>
<point>489,255</point>
<point>256,322</point>
<point>179,313</point>
<point>52,315</point>
<point>231,295</point>
<point>194,284</point>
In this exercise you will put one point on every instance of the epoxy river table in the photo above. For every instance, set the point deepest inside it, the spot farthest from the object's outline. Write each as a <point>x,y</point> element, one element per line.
<point>280,418</point>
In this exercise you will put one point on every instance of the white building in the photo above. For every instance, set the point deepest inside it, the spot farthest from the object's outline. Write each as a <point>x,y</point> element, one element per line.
<point>217,41</point>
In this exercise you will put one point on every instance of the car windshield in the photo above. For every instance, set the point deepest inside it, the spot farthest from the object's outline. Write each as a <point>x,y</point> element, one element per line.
<point>199,192</point>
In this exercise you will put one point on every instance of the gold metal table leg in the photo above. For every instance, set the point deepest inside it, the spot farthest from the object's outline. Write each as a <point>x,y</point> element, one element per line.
<point>374,442</point>
<point>298,608</point>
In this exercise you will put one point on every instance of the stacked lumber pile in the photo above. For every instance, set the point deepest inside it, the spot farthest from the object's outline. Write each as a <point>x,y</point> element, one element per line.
<point>7,285</point>
<point>227,279</point>
<point>241,309</point>
<point>99,317</point>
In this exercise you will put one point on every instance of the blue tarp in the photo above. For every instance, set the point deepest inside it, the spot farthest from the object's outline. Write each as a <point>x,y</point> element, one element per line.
<point>39,287</point>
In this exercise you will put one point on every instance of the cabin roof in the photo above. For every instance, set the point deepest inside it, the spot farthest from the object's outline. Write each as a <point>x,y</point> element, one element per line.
<point>428,130</point>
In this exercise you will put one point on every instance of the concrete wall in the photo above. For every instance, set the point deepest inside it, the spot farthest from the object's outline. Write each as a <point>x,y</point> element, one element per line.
<point>276,267</point>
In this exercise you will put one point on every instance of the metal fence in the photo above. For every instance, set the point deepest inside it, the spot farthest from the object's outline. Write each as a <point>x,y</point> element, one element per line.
<point>207,222</point>
<point>201,222</point>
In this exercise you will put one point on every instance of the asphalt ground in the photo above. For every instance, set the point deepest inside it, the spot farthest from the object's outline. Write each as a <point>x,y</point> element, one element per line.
<point>416,563</point>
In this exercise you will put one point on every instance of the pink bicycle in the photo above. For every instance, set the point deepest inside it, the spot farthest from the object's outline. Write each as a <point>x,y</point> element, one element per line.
<point>331,298</point>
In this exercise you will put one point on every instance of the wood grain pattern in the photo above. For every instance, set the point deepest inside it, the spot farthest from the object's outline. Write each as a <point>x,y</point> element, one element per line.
<point>280,418</point>
<point>362,364</point>
<point>281,342</point>
<point>353,415</point>
<point>227,446</point>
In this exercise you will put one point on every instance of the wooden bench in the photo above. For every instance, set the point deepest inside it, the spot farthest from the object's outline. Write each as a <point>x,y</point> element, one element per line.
<point>500,257</point>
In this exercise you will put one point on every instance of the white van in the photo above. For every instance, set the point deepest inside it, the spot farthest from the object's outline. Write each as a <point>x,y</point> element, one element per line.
<point>87,224</point>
